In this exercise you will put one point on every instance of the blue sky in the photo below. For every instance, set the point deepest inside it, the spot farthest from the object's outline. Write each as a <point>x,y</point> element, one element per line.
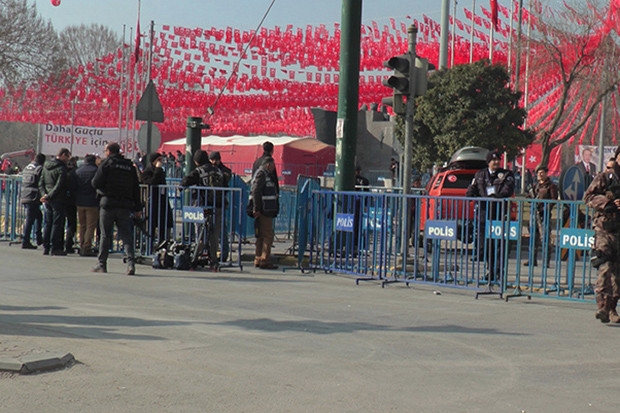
<point>243,14</point>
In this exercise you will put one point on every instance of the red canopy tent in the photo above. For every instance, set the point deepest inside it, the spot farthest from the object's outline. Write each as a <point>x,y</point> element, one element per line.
<point>293,156</point>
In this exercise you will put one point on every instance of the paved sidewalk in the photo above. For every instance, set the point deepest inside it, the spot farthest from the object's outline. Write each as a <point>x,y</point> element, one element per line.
<point>273,341</point>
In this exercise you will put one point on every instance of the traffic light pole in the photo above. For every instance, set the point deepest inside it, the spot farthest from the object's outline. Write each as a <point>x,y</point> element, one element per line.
<point>412,32</point>
<point>348,95</point>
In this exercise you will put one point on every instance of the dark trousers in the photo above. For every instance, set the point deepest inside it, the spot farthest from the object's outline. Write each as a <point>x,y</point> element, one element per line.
<point>54,229</point>
<point>107,219</point>
<point>71,226</point>
<point>34,218</point>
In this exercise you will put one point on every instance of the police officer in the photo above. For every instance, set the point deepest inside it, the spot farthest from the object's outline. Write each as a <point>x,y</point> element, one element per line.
<point>603,195</point>
<point>264,195</point>
<point>210,173</point>
<point>491,182</point>
<point>116,181</point>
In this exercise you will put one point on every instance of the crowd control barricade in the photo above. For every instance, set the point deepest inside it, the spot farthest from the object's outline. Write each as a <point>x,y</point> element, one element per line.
<point>284,223</point>
<point>224,214</point>
<point>12,215</point>
<point>306,185</point>
<point>487,245</point>
<point>350,233</point>
<point>455,241</point>
<point>554,249</point>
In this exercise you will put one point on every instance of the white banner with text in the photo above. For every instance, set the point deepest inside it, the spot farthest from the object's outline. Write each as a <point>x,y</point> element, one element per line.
<point>83,140</point>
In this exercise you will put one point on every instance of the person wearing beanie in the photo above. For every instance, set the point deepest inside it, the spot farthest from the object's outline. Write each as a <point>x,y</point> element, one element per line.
<point>30,200</point>
<point>200,157</point>
<point>87,205</point>
<point>497,183</point>
<point>158,211</point>
<point>603,196</point>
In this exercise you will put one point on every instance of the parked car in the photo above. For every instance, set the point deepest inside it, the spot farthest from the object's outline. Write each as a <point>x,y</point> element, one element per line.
<point>450,183</point>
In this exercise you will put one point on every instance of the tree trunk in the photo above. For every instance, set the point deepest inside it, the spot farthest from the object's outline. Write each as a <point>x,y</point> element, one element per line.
<point>547,147</point>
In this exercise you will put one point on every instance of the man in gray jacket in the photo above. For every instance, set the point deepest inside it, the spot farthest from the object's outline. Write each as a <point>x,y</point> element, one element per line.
<point>30,199</point>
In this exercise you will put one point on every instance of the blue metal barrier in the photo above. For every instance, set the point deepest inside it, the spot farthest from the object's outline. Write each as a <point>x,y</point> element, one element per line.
<point>12,215</point>
<point>473,243</point>
<point>181,227</point>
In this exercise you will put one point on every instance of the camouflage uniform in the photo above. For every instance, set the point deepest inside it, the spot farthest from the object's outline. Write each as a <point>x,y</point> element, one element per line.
<point>543,190</point>
<point>606,253</point>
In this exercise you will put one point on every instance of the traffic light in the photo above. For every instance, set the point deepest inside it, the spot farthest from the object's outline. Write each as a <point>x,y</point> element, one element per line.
<point>399,82</point>
<point>421,75</point>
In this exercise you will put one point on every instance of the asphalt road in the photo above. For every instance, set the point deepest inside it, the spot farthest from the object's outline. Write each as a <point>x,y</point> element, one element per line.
<point>273,341</point>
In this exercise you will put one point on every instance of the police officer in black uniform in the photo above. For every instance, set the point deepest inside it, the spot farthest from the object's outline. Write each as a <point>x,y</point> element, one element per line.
<point>116,181</point>
<point>491,182</point>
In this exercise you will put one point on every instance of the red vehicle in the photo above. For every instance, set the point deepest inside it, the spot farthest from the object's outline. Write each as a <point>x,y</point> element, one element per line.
<point>452,182</point>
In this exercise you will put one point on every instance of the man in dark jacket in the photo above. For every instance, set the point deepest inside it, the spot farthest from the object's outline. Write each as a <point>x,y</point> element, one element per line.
<point>496,183</point>
<point>544,189</point>
<point>71,210</point>
<point>209,176</point>
<point>222,181</point>
<point>267,153</point>
<point>116,181</point>
<point>87,204</point>
<point>603,196</point>
<point>158,209</point>
<point>264,195</point>
<point>53,190</point>
<point>30,199</point>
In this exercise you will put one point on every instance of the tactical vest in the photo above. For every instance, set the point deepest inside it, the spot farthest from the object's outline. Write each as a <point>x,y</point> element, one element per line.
<point>271,206</point>
<point>30,183</point>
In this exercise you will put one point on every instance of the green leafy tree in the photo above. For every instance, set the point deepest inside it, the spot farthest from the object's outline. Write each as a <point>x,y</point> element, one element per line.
<point>468,105</point>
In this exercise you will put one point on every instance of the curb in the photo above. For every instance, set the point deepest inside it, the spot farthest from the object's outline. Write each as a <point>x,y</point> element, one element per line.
<point>32,364</point>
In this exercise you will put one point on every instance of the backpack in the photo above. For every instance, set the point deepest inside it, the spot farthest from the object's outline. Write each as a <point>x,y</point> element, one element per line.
<point>162,256</point>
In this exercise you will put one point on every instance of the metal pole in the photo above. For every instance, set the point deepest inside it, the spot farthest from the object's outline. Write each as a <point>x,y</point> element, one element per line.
<point>453,42</point>
<point>443,40</point>
<point>518,56</point>
<point>348,99</point>
<point>471,35</point>
<point>120,90</point>
<point>72,122</point>
<point>193,142</point>
<point>412,32</point>
<point>149,122</point>
<point>601,146</point>
<point>526,91</point>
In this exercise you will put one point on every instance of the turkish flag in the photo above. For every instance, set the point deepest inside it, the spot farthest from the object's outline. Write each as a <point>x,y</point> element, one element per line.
<point>494,16</point>
<point>533,156</point>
